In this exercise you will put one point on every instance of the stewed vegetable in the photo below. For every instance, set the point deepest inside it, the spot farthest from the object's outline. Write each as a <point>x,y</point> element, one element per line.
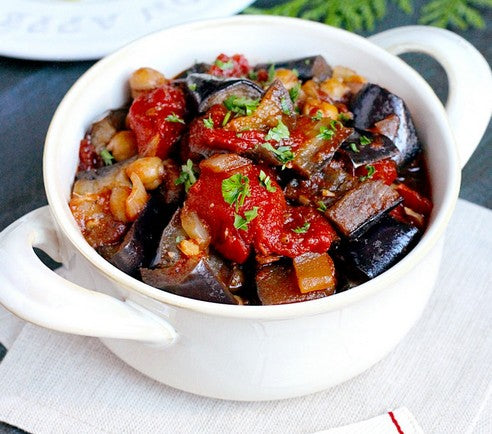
<point>268,184</point>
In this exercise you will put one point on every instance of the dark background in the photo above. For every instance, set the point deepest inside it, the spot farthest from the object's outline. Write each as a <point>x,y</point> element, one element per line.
<point>30,92</point>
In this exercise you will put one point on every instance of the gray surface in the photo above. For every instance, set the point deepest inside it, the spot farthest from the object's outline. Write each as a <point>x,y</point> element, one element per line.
<point>30,92</point>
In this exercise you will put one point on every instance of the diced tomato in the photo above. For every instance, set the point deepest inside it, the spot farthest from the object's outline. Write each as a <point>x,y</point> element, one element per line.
<point>157,119</point>
<point>230,66</point>
<point>88,157</point>
<point>385,170</point>
<point>205,140</point>
<point>414,200</point>
<point>277,227</point>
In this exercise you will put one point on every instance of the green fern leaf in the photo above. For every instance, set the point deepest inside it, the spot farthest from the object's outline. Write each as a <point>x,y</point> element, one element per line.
<point>454,13</point>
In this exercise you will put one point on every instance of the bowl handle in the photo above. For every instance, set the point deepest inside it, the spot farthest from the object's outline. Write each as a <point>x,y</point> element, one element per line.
<point>469,104</point>
<point>33,292</point>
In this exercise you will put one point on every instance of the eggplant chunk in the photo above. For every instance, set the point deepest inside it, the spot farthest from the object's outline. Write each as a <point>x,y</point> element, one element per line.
<point>380,247</point>
<point>366,148</point>
<point>373,104</point>
<point>207,90</point>
<point>318,150</point>
<point>202,277</point>
<point>140,242</point>
<point>306,67</point>
<point>362,206</point>
<point>322,189</point>
<point>277,284</point>
<point>197,68</point>
<point>103,130</point>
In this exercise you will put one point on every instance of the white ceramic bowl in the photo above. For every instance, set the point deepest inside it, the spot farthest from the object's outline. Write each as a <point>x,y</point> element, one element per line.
<point>245,352</point>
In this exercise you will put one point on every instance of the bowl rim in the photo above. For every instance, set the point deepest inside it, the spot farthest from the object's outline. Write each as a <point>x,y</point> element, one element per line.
<point>64,219</point>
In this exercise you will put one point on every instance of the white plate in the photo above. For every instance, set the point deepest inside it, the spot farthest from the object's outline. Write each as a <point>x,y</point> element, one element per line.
<point>90,29</point>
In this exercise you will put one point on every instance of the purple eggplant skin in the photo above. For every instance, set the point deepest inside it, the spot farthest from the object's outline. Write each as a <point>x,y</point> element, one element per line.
<point>203,277</point>
<point>206,90</point>
<point>197,68</point>
<point>363,153</point>
<point>104,129</point>
<point>140,242</point>
<point>373,104</point>
<point>307,67</point>
<point>379,248</point>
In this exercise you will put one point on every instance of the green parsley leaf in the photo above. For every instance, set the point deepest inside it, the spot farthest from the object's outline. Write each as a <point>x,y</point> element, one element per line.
<point>354,148</point>
<point>302,229</point>
<point>294,92</point>
<point>321,206</point>
<point>235,189</point>
<point>192,86</point>
<point>253,75</point>
<point>283,154</point>
<point>224,65</point>
<point>180,238</point>
<point>226,118</point>
<point>318,116</point>
<point>370,172</point>
<point>107,157</point>
<point>242,222</point>
<point>266,182</point>
<point>342,117</point>
<point>241,105</point>
<point>271,73</point>
<point>307,62</point>
<point>187,175</point>
<point>364,140</point>
<point>296,72</point>
<point>285,106</point>
<point>325,133</point>
<point>173,117</point>
<point>278,133</point>
<point>209,123</point>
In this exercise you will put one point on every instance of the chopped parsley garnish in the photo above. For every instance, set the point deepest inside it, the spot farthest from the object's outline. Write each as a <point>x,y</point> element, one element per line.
<point>224,65</point>
<point>278,133</point>
<point>295,72</point>
<point>253,75</point>
<point>354,148</point>
<point>294,92</point>
<point>284,154</point>
<point>271,73</point>
<point>173,117</point>
<point>302,229</point>
<point>192,86</point>
<point>318,116</point>
<point>209,123</point>
<point>266,182</point>
<point>235,189</point>
<point>370,172</point>
<point>242,222</point>
<point>240,105</point>
<point>226,118</point>
<point>342,117</point>
<point>285,106</point>
<point>107,157</point>
<point>364,140</point>
<point>321,206</point>
<point>326,133</point>
<point>180,238</point>
<point>187,175</point>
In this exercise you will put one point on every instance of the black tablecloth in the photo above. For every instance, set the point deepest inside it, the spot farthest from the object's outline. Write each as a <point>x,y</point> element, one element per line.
<point>30,92</point>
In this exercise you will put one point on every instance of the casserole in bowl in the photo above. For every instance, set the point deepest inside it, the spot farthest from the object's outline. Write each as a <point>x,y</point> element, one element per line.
<point>229,351</point>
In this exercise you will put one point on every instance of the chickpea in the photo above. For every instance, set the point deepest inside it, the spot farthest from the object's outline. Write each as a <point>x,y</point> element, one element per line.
<point>136,200</point>
<point>150,170</point>
<point>144,80</point>
<point>117,202</point>
<point>335,88</point>
<point>287,77</point>
<point>123,145</point>
<point>312,106</point>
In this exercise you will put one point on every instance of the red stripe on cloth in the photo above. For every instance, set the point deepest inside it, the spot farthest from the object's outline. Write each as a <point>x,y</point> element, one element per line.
<point>395,422</point>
